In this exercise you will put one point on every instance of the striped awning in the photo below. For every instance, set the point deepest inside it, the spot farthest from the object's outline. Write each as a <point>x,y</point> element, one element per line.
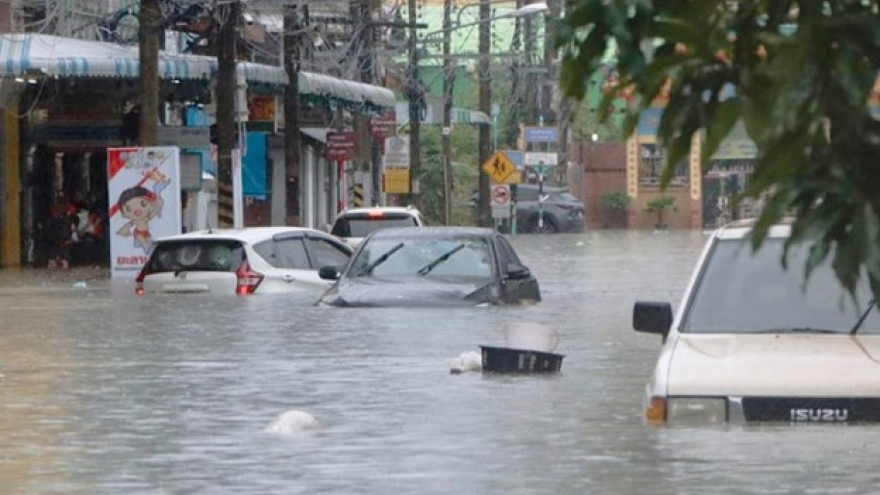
<point>433,115</point>
<point>22,53</point>
<point>27,53</point>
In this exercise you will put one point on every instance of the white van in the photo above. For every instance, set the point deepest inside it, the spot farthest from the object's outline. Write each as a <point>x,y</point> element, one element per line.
<point>752,342</point>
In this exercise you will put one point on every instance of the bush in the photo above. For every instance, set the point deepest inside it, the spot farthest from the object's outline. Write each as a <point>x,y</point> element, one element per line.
<point>616,204</point>
<point>658,206</point>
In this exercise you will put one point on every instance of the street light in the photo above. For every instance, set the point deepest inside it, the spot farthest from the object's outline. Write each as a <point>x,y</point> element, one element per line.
<point>524,11</point>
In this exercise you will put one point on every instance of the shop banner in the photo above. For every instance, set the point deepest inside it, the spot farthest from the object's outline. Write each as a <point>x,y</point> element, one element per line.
<point>144,196</point>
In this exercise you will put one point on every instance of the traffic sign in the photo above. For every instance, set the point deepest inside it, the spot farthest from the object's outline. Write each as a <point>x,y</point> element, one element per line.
<point>498,166</point>
<point>500,194</point>
<point>548,159</point>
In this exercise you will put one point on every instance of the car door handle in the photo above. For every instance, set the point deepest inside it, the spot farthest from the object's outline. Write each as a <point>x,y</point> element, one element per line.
<point>288,278</point>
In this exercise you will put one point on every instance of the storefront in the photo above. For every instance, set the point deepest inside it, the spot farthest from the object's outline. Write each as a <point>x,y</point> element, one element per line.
<point>68,100</point>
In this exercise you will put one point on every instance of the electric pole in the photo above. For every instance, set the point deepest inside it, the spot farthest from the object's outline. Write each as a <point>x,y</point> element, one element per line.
<point>446,141</point>
<point>148,46</point>
<point>292,139</point>
<point>415,95</point>
<point>227,36</point>
<point>485,106</point>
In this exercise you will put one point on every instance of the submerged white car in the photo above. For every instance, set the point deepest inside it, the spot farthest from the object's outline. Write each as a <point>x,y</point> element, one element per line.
<point>242,261</point>
<point>752,342</point>
<point>353,224</point>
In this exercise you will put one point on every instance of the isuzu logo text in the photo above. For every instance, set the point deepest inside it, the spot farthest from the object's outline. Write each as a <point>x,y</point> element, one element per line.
<point>819,415</point>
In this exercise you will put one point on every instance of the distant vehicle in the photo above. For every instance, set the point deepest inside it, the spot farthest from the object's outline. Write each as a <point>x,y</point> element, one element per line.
<point>242,261</point>
<point>563,212</point>
<point>432,266</point>
<point>753,342</point>
<point>353,224</point>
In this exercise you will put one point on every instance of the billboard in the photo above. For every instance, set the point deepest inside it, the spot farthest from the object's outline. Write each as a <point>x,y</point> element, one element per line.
<point>143,186</point>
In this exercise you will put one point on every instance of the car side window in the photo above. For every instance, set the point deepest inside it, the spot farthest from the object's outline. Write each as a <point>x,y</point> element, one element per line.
<point>506,253</point>
<point>287,253</point>
<point>323,252</point>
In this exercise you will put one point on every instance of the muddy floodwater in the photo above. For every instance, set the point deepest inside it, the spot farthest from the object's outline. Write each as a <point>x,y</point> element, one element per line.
<point>103,392</point>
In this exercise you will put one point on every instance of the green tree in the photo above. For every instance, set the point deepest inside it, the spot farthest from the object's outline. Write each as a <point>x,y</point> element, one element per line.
<point>797,73</point>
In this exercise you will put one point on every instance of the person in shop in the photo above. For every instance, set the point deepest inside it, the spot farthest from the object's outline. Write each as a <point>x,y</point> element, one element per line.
<point>86,235</point>
<point>58,233</point>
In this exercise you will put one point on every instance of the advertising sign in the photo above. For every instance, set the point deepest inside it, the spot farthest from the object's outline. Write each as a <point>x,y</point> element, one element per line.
<point>143,186</point>
<point>340,145</point>
<point>396,152</point>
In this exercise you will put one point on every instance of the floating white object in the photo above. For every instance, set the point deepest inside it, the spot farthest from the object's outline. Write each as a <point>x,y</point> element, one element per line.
<point>293,423</point>
<point>467,361</point>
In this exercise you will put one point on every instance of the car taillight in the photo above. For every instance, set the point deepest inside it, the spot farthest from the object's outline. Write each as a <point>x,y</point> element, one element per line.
<point>247,279</point>
<point>139,282</point>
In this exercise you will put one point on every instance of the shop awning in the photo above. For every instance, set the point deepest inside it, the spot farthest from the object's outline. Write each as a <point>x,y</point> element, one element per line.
<point>434,115</point>
<point>26,53</point>
<point>322,85</point>
<point>22,53</point>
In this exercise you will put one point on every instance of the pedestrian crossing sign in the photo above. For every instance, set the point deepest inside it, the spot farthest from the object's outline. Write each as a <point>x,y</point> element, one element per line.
<point>499,167</point>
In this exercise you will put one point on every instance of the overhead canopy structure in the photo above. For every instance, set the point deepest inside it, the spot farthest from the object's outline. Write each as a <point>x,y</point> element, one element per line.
<point>433,115</point>
<point>31,53</point>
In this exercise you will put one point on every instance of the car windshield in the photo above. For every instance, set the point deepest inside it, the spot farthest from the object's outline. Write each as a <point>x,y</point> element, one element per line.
<point>361,225</point>
<point>744,292</point>
<point>425,257</point>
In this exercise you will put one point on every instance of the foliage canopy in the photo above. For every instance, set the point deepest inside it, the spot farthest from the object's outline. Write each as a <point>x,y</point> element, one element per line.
<point>799,74</point>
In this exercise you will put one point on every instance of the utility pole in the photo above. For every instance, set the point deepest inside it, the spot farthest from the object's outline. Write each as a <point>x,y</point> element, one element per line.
<point>446,141</point>
<point>485,106</point>
<point>292,139</point>
<point>415,95</point>
<point>367,148</point>
<point>227,35</point>
<point>148,46</point>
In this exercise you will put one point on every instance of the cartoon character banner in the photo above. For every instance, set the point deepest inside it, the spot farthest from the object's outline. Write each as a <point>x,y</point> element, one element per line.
<point>144,197</point>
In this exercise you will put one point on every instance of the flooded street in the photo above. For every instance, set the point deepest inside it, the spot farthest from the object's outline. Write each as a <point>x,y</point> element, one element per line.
<point>102,392</point>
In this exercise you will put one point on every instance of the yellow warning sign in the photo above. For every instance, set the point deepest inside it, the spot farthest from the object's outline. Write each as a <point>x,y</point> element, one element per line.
<point>499,166</point>
<point>396,180</point>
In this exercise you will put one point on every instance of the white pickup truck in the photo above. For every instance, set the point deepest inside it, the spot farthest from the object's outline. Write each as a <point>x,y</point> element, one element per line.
<point>754,342</point>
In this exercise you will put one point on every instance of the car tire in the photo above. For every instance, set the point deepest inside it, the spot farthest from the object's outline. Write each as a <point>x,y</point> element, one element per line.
<point>548,228</point>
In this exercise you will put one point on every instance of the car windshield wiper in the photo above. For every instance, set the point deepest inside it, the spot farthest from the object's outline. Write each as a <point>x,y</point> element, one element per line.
<point>855,328</point>
<point>381,259</point>
<point>430,266</point>
<point>798,330</point>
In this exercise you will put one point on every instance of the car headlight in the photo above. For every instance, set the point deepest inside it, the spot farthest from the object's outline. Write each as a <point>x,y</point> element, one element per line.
<point>696,410</point>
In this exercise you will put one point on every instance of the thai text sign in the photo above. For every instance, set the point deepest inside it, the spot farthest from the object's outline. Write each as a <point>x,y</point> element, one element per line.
<point>144,203</point>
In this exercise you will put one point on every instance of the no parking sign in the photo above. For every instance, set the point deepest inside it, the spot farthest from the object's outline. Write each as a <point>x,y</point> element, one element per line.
<point>500,194</point>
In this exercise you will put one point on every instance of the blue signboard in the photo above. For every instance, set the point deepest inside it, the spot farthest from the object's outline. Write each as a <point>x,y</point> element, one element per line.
<point>541,134</point>
<point>649,121</point>
<point>516,157</point>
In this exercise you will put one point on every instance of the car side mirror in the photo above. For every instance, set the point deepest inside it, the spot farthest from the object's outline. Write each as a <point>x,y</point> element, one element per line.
<point>328,273</point>
<point>517,272</point>
<point>652,317</point>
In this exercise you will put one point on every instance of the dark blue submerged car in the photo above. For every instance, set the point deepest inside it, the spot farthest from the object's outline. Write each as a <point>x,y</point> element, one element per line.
<point>432,266</point>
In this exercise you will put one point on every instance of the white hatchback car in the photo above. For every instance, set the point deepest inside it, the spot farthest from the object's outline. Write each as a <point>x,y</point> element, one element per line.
<point>242,261</point>
<point>753,342</point>
<point>353,224</point>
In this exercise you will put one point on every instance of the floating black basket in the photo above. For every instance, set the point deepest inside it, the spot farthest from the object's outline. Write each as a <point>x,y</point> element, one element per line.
<point>508,360</point>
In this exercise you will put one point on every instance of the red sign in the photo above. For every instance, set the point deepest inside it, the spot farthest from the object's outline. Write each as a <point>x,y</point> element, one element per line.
<point>500,194</point>
<point>340,145</point>
<point>382,125</point>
